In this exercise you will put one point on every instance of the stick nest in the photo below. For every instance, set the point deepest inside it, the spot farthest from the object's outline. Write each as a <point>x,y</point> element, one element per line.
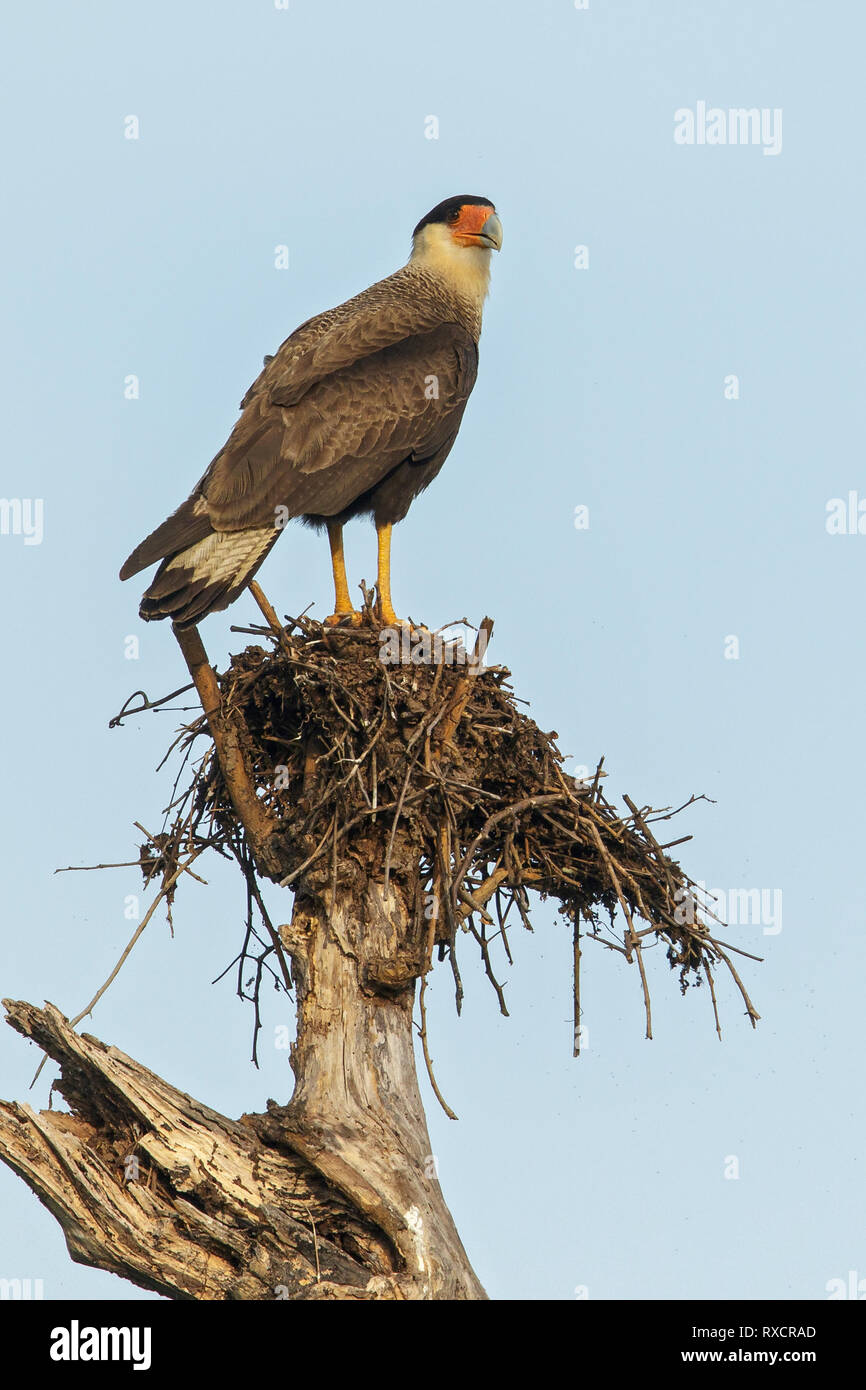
<point>428,775</point>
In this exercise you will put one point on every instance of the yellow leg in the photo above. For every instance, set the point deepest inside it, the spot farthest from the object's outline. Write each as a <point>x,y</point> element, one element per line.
<point>343,603</point>
<point>383,582</point>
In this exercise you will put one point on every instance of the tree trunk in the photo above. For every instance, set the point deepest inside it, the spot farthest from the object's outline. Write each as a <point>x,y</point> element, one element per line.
<point>356,1112</point>
<point>334,1195</point>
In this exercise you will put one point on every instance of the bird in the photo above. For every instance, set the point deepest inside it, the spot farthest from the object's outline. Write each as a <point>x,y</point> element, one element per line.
<point>354,415</point>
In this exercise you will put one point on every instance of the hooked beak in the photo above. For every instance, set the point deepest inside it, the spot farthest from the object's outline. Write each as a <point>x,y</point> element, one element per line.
<point>478,226</point>
<point>491,232</point>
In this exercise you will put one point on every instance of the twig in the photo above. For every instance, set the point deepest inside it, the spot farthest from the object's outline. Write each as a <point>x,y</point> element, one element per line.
<point>125,712</point>
<point>257,822</point>
<point>488,967</point>
<point>394,829</point>
<point>632,937</point>
<point>422,1031</point>
<point>163,892</point>
<point>576,958</point>
<point>524,805</point>
<point>460,698</point>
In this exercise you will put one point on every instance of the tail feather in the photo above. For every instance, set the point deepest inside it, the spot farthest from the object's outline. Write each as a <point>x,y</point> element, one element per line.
<point>185,527</point>
<point>207,576</point>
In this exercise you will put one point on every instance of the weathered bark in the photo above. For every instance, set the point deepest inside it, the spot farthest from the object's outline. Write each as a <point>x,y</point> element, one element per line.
<point>356,1112</point>
<point>154,1186</point>
<point>334,1195</point>
<point>302,1202</point>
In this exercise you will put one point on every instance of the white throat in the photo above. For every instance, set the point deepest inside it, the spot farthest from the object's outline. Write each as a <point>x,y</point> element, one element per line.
<point>465,268</point>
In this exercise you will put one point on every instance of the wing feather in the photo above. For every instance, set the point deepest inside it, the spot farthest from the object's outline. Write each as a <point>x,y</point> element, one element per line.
<point>385,313</point>
<point>345,435</point>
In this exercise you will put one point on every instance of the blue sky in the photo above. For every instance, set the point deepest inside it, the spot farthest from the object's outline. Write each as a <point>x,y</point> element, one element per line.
<point>601,387</point>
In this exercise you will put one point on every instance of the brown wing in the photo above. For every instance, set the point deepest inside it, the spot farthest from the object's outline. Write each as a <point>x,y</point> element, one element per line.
<point>394,410</point>
<point>355,375</point>
<point>345,434</point>
<point>389,312</point>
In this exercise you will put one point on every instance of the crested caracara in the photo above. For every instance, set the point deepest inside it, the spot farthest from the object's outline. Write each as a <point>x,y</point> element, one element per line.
<point>354,415</point>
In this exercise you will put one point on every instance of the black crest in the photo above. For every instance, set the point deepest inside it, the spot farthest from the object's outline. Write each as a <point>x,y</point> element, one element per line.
<point>446,210</point>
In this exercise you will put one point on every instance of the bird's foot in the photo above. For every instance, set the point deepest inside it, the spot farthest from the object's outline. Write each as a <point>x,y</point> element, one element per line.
<point>389,618</point>
<point>349,618</point>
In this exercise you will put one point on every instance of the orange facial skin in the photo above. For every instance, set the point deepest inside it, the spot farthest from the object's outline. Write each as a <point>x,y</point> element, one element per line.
<point>468,225</point>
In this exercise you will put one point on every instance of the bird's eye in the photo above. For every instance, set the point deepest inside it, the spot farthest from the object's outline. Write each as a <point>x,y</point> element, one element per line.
<point>454,216</point>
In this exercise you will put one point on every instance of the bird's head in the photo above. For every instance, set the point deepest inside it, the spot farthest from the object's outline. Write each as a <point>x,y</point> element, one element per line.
<point>455,240</point>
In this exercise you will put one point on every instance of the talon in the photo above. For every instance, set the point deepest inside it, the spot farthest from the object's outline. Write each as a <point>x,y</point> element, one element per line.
<point>344,619</point>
